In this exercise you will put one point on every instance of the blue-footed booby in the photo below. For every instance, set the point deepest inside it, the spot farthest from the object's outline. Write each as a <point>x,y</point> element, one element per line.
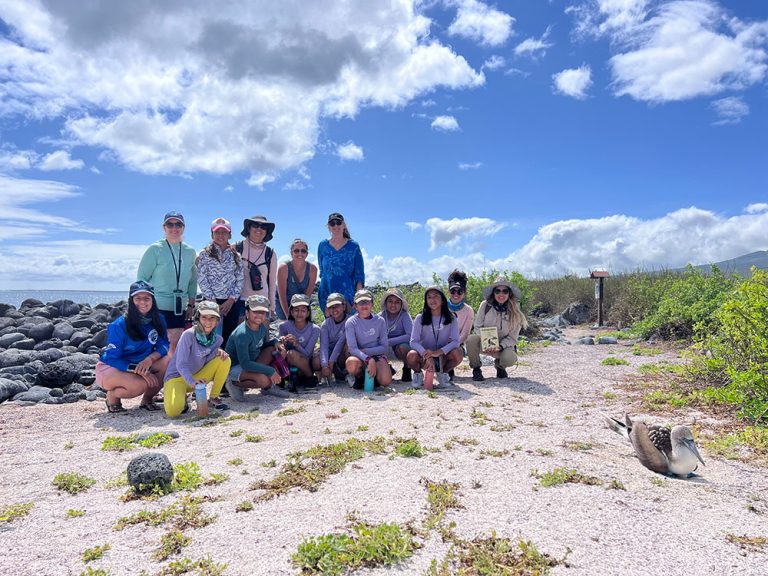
<point>658,448</point>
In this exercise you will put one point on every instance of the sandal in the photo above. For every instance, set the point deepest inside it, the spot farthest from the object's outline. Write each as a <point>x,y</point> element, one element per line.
<point>150,407</point>
<point>217,404</point>
<point>114,408</point>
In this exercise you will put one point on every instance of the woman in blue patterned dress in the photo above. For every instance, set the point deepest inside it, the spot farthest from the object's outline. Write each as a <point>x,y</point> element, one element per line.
<point>341,262</point>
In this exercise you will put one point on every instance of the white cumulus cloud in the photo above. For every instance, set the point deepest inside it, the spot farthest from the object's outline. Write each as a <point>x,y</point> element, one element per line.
<point>478,21</point>
<point>59,160</point>
<point>448,233</point>
<point>413,225</point>
<point>756,208</point>
<point>573,82</point>
<point>350,151</point>
<point>174,88</point>
<point>494,62</point>
<point>445,124</point>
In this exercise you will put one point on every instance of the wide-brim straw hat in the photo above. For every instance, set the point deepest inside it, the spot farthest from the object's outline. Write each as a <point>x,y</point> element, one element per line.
<point>507,284</point>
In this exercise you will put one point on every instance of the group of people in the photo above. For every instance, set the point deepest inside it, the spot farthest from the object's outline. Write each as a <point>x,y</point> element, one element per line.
<point>169,340</point>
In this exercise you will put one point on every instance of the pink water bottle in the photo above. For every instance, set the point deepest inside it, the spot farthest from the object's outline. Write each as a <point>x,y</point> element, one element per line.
<point>429,376</point>
<point>280,365</point>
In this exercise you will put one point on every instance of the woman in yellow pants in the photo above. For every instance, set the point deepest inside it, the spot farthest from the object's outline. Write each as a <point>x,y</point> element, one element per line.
<point>198,358</point>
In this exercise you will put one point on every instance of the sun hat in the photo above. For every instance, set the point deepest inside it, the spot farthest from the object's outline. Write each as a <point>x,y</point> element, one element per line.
<point>335,216</point>
<point>220,223</point>
<point>436,288</point>
<point>362,295</point>
<point>173,215</point>
<point>300,300</point>
<point>141,286</point>
<point>257,303</point>
<point>208,308</point>
<point>335,298</point>
<point>258,220</point>
<point>397,294</point>
<point>502,282</point>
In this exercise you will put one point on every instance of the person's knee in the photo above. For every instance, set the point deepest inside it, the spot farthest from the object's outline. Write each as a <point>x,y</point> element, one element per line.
<point>508,357</point>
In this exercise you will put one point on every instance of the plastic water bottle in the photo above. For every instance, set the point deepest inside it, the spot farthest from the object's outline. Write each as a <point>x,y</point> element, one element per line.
<point>201,398</point>
<point>294,376</point>
<point>368,385</point>
<point>280,365</point>
<point>429,376</point>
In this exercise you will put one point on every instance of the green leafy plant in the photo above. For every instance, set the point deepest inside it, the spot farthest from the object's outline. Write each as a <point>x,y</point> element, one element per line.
<point>409,448</point>
<point>155,440</point>
<point>73,482</point>
<point>613,361</point>
<point>201,567</point>
<point>290,411</point>
<point>75,513</point>
<point>94,572</point>
<point>14,511</point>
<point>91,554</point>
<point>186,512</point>
<point>559,476</point>
<point>171,543</point>
<point>254,438</point>
<point>441,496</point>
<point>244,506</point>
<point>119,443</point>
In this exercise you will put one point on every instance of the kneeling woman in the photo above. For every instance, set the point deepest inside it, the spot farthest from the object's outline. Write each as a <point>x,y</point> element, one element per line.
<point>366,335</point>
<point>435,335</point>
<point>501,310</point>
<point>298,336</point>
<point>198,359</point>
<point>136,356</point>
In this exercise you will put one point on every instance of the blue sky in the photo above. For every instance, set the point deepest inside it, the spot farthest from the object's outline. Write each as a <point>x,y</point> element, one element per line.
<point>547,137</point>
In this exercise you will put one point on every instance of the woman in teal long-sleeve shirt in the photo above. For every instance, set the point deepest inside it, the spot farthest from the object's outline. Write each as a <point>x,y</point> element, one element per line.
<point>169,265</point>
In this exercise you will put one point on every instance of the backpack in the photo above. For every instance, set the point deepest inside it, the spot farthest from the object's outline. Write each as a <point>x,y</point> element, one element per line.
<point>267,256</point>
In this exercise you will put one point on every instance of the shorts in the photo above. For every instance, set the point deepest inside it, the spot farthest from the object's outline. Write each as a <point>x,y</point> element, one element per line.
<point>102,370</point>
<point>234,373</point>
<point>172,321</point>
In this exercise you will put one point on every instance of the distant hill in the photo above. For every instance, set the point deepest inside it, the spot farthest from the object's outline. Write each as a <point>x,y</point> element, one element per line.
<point>741,265</point>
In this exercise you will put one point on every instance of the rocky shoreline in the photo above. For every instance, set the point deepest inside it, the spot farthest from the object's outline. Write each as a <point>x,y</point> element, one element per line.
<point>48,352</point>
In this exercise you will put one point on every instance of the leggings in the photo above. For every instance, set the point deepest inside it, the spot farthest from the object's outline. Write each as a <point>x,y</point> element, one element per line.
<point>175,390</point>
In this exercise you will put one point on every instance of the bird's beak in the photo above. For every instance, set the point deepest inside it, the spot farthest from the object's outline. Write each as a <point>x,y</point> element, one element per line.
<point>692,447</point>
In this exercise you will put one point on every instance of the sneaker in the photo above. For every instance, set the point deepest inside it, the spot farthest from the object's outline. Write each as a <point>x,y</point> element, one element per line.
<point>276,391</point>
<point>443,379</point>
<point>406,377</point>
<point>235,392</point>
<point>217,404</point>
<point>418,379</point>
<point>324,381</point>
<point>501,372</point>
<point>477,374</point>
<point>350,380</point>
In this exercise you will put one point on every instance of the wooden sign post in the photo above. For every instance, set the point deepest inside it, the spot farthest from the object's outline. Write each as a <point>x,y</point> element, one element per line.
<point>599,276</point>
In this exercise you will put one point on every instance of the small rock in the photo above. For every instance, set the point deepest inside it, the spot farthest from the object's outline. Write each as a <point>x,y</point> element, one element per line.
<point>8,339</point>
<point>34,394</point>
<point>91,395</point>
<point>100,338</point>
<point>607,340</point>
<point>63,331</point>
<point>9,388</point>
<point>150,469</point>
<point>47,344</point>
<point>52,400</point>
<point>586,340</point>
<point>57,392</point>
<point>74,388</point>
<point>82,323</point>
<point>71,398</point>
<point>85,345</point>
<point>14,358</point>
<point>78,337</point>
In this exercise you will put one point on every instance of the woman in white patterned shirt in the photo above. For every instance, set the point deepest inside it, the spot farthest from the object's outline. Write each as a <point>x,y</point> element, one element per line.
<point>220,276</point>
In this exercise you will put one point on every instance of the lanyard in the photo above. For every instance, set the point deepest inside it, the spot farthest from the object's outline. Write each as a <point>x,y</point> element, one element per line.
<point>436,333</point>
<point>173,257</point>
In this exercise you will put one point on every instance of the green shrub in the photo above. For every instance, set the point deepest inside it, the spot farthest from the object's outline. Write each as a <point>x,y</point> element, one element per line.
<point>10,513</point>
<point>73,482</point>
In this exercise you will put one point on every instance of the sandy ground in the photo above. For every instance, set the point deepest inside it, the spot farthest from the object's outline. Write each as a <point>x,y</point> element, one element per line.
<point>657,525</point>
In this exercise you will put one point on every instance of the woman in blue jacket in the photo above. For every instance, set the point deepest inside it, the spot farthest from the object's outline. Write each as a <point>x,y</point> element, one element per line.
<point>136,356</point>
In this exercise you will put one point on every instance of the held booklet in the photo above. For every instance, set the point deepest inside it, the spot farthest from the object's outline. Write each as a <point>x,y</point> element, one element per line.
<point>489,338</point>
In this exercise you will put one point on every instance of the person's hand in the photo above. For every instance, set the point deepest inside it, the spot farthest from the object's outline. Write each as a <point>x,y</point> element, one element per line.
<point>325,371</point>
<point>372,367</point>
<point>143,367</point>
<point>275,378</point>
<point>226,306</point>
<point>221,353</point>
<point>189,314</point>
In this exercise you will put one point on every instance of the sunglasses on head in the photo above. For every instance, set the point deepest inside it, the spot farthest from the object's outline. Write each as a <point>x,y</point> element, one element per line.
<point>457,291</point>
<point>300,251</point>
<point>501,290</point>
<point>174,225</point>
<point>335,222</point>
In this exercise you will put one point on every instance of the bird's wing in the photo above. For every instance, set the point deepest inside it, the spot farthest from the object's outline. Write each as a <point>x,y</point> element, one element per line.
<point>646,452</point>
<point>661,438</point>
<point>616,425</point>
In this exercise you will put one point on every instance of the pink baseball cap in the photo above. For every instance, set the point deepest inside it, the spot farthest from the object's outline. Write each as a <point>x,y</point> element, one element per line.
<point>221,223</point>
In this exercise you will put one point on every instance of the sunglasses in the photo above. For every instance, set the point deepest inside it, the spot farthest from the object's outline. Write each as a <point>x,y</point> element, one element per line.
<point>300,251</point>
<point>501,290</point>
<point>335,222</point>
<point>259,226</point>
<point>457,291</point>
<point>174,225</point>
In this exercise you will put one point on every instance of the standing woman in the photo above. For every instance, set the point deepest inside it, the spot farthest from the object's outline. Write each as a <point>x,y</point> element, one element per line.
<point>457,290</point>
<point>169,265</point>
<point>435,335</point>
<point>295,277</point>
<point>259,260</point>
<point>136,356</point>
<point>220,274</point>
<point>341,262</point>
<point>198,359</point>
<point>501,309</point>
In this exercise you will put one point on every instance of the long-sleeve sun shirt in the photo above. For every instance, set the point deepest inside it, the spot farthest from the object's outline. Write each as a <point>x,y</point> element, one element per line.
<point>220,279</point>
<point>332,340</point>
<point>366,336</point>
<point>160,265</point>
<point>190,356</point>
<point>436,335</point>
<point>244,346</point>
<point>122,350</point>
<point>399,328</point>
<point>305,338</point>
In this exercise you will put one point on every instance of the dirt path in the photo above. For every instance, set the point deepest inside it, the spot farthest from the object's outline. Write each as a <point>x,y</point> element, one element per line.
<point>487,438</point>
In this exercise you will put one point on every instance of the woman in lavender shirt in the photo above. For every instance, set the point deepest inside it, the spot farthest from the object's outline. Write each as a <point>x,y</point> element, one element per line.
<point>435,339</point>
<point>367,342</point>
<point>333,342</point>
<point>394,310</point>
<point>298,336</point>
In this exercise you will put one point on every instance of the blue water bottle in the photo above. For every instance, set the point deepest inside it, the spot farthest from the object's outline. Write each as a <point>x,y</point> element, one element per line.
<point>368,386</point>
<point>292,379</point>
<point>201,399</point>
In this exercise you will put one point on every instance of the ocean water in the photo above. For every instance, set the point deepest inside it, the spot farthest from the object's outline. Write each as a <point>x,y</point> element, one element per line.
<point>92,297</point>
